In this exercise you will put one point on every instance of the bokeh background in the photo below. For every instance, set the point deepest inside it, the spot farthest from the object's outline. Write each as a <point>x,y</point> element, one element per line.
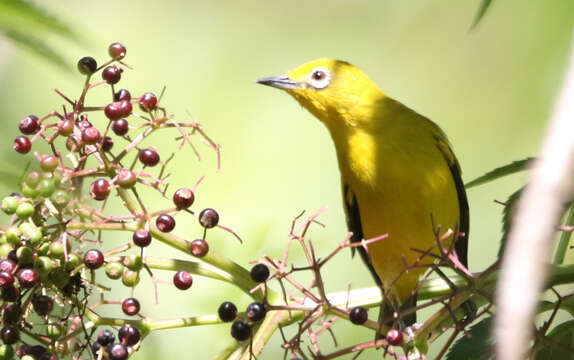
<point>491,89</point>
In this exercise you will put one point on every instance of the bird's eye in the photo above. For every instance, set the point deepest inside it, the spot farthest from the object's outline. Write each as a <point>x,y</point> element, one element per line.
<point>319,78</point>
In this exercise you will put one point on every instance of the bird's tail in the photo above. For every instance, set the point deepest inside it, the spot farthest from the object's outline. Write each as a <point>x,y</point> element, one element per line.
<point>387,321</point>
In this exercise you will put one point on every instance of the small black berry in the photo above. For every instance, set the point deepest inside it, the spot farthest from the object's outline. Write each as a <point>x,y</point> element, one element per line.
<point>149,157</point>
<point>9,334</point>
<point>42,304</point>
<point>120,127</point>
<point>112,74</point>
<point>240,330</point>
<point>208,218</point>
<point>227,311</point>
<point>118,352</point>
<point>87,65</point>
<point>106,337</point>
<point>260,273</point>
<point>358,315</point>
<point>141,238</point>
<point>131,306</point>
<point>256,311</point>
<point>129,335</point>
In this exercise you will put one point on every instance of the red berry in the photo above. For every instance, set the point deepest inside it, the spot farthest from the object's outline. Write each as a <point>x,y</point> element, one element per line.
<point>131,306</point>
<point>149,157</point>
<point>120,127</point>
<point>107,144</point>
<point>165,223</point>
<point>122,95</point>
<point>22,144</point>
<point>183,198</point>
<point>91,135</point>
<point>182,280</point>
<point>112,74</point>
<point>66,127</point>
<point>100,189</point>
<point>28,278</point>
<point>6,279</point>
<point>199,248</point>
<point>93,259</point>
<point>114,111</point>
<point>117,51</point>
<point>126,108</point>
<point>148,102</point>
<point>7,265</point>
<point>256,311</point>
<point>142,238</point>
<point>240,330</point>
<point>127,179</point>
<point>129,335</point>
<point>208,218</point>
<point>29,125</point>
<point>358,315</point>
<point>394,337</point>
<point>227,311</point>
<point>42,304</point>
<point>87,65</point>
<point>260,273</point>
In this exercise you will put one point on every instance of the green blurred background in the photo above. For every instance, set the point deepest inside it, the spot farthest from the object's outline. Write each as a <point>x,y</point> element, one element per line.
<point>490,89</point>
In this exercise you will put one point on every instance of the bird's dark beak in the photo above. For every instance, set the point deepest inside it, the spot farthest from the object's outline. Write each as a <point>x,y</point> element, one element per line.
<point>280,82</point>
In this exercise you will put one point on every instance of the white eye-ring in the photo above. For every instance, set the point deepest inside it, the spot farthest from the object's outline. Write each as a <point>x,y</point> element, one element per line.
<point>319,78</point>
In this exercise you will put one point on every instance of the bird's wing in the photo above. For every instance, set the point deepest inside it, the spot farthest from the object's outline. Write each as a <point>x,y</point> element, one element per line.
<point>354,225</point>
<point>461,244</point>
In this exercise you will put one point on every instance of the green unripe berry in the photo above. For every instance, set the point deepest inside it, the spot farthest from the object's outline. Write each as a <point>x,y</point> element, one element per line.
<point>60,198</point>
<point>133,262</point>
<point>57,249</point>
<point>9,205</point>
<point>32,179</point>
<point>43,264</point>
<point>13,235</point>
<point>25,210</point>
<point>46,187</point>
<point>56,176</point>
<point>25,255</point>
<point>5,250</point>
<point>54,331</point>
<point>29,192</point>
<point>43,249</point>
<point>6,352</point>
<point>130,278</point>
<point>114,270</point>
<point>49,163</point>
<point>31,233</point>
<point>73,261</point>
<point>59,277</point>
<point>3,239</point>
<point>27,357</point>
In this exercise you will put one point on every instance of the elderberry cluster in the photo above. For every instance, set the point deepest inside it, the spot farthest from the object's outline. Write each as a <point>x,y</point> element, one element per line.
<point>50,252</point>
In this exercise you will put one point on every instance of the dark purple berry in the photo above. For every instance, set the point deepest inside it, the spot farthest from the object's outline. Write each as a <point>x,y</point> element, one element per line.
<point>6,279</point>
<point>182,280</point>
<point>93,259</point>
<point>120,127</point>
<point>131,306</point>
<point>42,304</point>
<point>107,143</point>
<point>126,108</point>
<point>122,95</point>
<point>208,218</point>
<point>91,135</point>
<point>394,337</point>
<point>22,144</point>
<point>112,74</point>
<point>96,346</point>
<point>142,238</point>
<point>256,311</point>
<point>149,157</point>
<point>240,330</point>
<point>7,265</point>
<point>227,311</point>
<point>199,248</point>
<point>106,337</point>
<point>29,125</point>
<point>117,51</point>
<point>100,189</point>
<point>28,278</point>
<point>118,352</point>
<point>358,315</point>
<point>87,65</point>
<point>10,293</point>
<point>129,335</point>
<point>260,273</point>
<point>183,198</point>
<point>9,334</point>
<point>11,314</point>
<point>148,102</point>
<point>165,223</point>
<point>114,111</point>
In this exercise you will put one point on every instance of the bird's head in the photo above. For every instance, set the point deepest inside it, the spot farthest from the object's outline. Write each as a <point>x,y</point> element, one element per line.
<point>334,91</point>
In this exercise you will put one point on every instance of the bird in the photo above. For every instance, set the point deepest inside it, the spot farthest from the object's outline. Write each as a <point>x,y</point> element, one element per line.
<point>399,177</point>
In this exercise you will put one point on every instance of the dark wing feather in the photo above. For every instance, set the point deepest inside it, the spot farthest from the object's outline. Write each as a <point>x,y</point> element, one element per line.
<point>354,225</point>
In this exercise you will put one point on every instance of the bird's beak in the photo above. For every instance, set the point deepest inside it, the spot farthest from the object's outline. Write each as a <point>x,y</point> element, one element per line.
<point>280,82</point>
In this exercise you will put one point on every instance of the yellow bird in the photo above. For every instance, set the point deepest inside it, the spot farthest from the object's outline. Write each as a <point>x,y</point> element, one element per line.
<point>399,175</point>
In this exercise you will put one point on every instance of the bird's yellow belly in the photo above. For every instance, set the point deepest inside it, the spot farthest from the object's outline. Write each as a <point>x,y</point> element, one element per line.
<point>406,208</point>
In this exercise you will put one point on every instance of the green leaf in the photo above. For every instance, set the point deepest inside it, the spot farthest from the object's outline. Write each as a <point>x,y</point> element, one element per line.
<point>484,5</point>
<point>507,214</point>
<point>38,47</point>
<point>477,347</point>
<point>499,172</point>
<point>564,239</point>
<point>558,344</point>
